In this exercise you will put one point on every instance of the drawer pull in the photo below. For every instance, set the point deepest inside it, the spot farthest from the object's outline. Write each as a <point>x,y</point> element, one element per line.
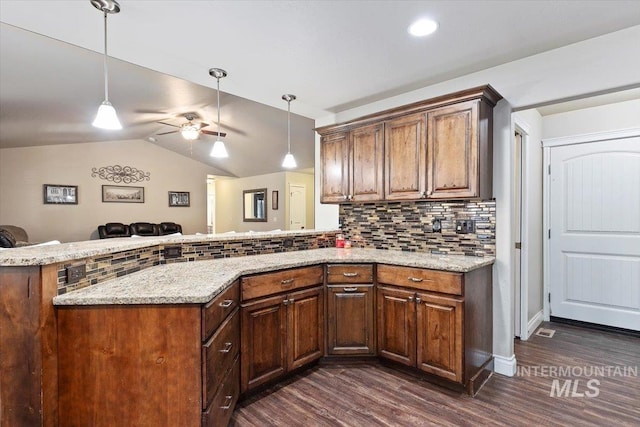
<point>287,281</point>
<point>227,347</point>
<point>349,274</point>
<point>416,279</point>
<point>350,289</point>
<point>226,303</point>
<point>227,402</point>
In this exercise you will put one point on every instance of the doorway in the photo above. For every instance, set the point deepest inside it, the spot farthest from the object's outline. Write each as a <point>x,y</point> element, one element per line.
<point>297,207</point>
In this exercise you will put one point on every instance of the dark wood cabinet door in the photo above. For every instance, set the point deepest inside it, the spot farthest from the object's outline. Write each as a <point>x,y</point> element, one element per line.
<point>334,167</point>
<point>452,143</point>
<point>305,326</point>
<point>366,163</point>
<point>439,332</point>
<point>263,337</point>
<point>406,158</point>
<point>397,325</point>
<point>351,322</point>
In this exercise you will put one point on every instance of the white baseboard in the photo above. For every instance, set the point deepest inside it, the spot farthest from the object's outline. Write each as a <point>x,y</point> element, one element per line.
<point>535,321</point>
<point>504,365</point>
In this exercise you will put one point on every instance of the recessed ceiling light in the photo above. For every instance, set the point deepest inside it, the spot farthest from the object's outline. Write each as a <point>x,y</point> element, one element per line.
<point>151,139</point>
<point>423,27</point>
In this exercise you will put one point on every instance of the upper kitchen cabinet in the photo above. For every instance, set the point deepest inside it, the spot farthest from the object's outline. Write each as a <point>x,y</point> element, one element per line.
<point>405,158</point>
<point>440,148</point>
<point>459,151</point>
<point>351,165</point>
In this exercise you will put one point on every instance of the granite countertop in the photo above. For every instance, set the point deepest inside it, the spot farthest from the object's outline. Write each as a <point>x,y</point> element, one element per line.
<point>199,282</point>
<point>51,254</point>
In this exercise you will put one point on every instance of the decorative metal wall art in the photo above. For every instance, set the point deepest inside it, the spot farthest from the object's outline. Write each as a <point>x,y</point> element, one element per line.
<point>118,174</point>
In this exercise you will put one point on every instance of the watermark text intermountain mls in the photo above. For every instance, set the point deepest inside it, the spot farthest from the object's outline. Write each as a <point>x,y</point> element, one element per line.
<point>576,381</point>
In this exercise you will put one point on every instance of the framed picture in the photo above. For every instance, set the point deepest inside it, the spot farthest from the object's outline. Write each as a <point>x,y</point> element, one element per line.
<point>274,200</point>
<point>179,199</point>
<point>122,194</point>
<point>60,194</point>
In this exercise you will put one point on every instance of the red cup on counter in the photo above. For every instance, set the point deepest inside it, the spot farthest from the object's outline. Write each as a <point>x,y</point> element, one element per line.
<point>339,241</point>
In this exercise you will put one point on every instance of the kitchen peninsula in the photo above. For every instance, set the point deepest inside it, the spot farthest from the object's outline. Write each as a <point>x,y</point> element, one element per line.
<point>177,327</point>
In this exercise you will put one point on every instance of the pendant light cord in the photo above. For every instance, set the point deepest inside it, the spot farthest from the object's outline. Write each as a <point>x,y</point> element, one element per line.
<point>106,71</point>
<point>289,126</point>
<point>218,79</point>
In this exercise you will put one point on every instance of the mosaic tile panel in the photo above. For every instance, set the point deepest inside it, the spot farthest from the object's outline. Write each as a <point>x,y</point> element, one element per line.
<point>106,267</point>
<point>407,226</point>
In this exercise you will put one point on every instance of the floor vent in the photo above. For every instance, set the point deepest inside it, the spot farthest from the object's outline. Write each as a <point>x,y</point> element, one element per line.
<point>547,333</point>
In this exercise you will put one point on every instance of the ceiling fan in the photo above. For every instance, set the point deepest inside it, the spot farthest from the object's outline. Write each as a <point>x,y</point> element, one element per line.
<point>191,130</point>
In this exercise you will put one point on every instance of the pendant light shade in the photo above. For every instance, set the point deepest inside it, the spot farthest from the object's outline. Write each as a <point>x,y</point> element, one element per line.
<point>106,117</point>
<point>218,150</point>
<point>289,161</point>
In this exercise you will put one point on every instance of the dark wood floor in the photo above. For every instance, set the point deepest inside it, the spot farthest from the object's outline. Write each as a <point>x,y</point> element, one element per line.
<point>375,395</point>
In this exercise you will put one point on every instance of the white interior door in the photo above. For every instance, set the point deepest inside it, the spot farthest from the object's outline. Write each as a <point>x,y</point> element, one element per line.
<point>594,249</point>
<point>297,207</point>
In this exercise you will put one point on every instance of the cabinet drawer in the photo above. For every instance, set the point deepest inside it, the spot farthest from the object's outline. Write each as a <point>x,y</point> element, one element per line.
<point>219,412</point>
<point>214,312</point>
<point>280,281</point>
<point>420,278</point>
<point>349,273</point>
<point>218,354</point>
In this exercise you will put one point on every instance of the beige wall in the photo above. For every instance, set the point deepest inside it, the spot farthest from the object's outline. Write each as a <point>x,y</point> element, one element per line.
<point>229,201</point>
<point>23,171</point>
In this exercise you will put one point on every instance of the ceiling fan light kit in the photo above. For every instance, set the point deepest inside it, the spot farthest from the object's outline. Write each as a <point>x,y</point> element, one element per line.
<point>219,150</point>
<point>190,131</point>
<point>106,117</point>
<point>289,161</point>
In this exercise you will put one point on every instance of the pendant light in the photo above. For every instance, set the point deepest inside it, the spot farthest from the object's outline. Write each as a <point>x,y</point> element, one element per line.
<point>219,150</point>
<point>289,161</point>
<point>106,117</point>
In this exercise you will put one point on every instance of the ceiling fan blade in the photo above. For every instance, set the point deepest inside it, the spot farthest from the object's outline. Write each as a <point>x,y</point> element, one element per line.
<point>210,132</point>
<point>203,125</point>
<point>167,133</point>
<point>168,124</point>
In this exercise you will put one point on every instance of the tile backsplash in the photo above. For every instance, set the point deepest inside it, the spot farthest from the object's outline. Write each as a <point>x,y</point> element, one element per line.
<point>408,226</point>
<point>106,267</point>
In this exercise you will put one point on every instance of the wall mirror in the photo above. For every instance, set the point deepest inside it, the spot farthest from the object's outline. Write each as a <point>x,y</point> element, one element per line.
<point>254,205</point>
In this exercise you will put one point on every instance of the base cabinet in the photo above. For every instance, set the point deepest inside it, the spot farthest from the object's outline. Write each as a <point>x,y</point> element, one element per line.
<point>397,325</point>
<point>437,322</point>
<point>280,333</point>
<point>149,365</point>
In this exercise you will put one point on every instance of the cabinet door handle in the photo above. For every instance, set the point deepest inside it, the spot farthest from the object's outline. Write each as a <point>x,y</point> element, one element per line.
<point>349,289</point>
<point>410,299</point>
<point>345,197</point>
<point>227,347</point>
<point>418,300</point>
<point>429,192</point>
<point>285,302</point>
<point>226,303</point>
<point>423,194</point>
<point>349,274</point>
<point>291,301</point>
<point>227,402</point>
<point>287,281</point>
<point>416,279</point>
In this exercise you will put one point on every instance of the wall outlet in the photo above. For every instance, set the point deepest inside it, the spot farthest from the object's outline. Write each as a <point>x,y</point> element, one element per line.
<point>172,252</point>
<point>76,272</point>
<point>436,225</point>
<point>465,226</point>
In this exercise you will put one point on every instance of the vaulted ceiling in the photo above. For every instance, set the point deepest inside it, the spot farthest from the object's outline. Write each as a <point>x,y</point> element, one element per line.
<point>333,55</point>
